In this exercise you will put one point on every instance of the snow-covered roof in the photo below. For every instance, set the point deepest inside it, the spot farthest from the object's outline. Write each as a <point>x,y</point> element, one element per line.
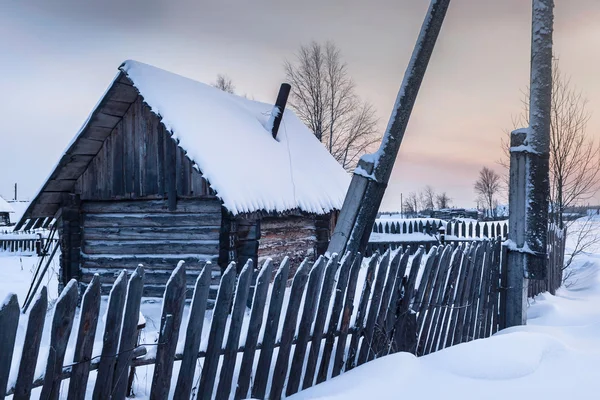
<point>5,207</point>
<point>229,140</point>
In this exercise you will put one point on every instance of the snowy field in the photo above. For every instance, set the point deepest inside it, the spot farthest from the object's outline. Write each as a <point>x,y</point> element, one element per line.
<point>556,356</point>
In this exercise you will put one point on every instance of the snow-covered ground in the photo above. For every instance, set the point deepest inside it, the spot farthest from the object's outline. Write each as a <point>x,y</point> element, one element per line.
<point>556,356</point>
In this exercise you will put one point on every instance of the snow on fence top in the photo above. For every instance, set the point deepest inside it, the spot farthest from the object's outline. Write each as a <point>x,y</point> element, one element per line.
<point>229,140</point>
<point>5,207</point>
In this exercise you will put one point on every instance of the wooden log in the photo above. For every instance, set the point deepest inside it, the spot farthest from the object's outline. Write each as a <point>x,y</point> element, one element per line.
<point>129,331</point>
<point>9,322</point>
<point>217,330</point>
<point>447,300</point>
<point>289,328</point>
<point>361,313</point>
<point>193,334</point>
<point>324,306</point>
<point>31,347</point>
<point>112,328</point>
<point>336,313</point>
<point>254,326</point>
<point>62,323</point>
<point>469,264</point>
<point>88,320</point>
<point>209,205</point>
<point>173,302</point>
<point>235,329</point>
<point>263,369</point>
<point>150,220</point>
<point>367,350</point>
<point>156,246</point>
<point>306,321</point>
<point>152,232</point>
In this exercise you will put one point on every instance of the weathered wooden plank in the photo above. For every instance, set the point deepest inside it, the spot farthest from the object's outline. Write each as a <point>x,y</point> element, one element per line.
<point>323,308</point>
<point>210,205</point>
<point>468,265</point>
<point>361,312</point>
<point>110,340</point>
<point>485,292</point>
<point>367,351</point>
<point>62,323</point>
<point>448,299</point>
<point>346,316</point>
<point>235,329</point>
<point>424,289</point>
<point>263,369</point>
<point>154,263</point>
<point>171,172</point>
<point>128,337</point>
<point>491,306</point>
<point>217,330</point>
<point>9,321</point>
<point>147,220</point>
<point>88,320</point>
<point>436,294</point>
<point>471,316</point>
<point>31,348</point>
<point>458,298</point>
<point>289,328</point>
<point>142,247</point>
<point>392,310</point>
<point>193,334</point>
<point>256,319</point>
<point>173,302</point>
<point>306,321</point>
<point>156,233</point>
<point>387,290</point>
<point>336,313</point>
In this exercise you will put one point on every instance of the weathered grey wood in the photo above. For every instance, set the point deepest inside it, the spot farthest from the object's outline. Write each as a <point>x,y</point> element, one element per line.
<point>173,302</point>
<point>9,321</point>
<point>88,320</point>
<point>150,247</point>
<point>151,219</point>
<point>235,328</point>
<point>431,318</point>
<point>495,288</point>
<point>31,347</point>
<point>336,313</point>
<point>62,323</point>
<point>348,310</point>
<point>404,336</point>
<point>323,308</point>
<point>156,233</point>
<point>387,290</point>
<point>110,340</point>
<point>447,300</point>
<point>289,329</point>
<point>471,317</point>
<point>129,331</point>
<point>469,260</point>
<point>217,330</point>
<point>390,318</point>
<point>256,319</point>
<point>367,350</point>
<point>360,313</point>
<point>457,301</point>
<point>210,205</point>
<point>304,329</point>
<point>424,289</point>
<point>263,369</point>
<point>485,292</point>
<point>193,334</point>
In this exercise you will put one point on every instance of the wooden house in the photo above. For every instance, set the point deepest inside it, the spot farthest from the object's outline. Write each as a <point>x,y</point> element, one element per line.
<point>167,168</point>
<point>5,211</point>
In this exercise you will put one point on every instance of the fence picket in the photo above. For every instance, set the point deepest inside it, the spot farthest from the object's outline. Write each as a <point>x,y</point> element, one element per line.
<point>9,321</point>
<point>471,317</point>
<point>217,330</point>
<point>289,328</point>
<point>469,262</point>
<point>88,320</point>
<point>129,332</point>
<point>256,319</point>
<point>387,292</point>
<point>436,298</point>
<point>447,300</point>
<point>322,310</point>
<point>259,388</point>
<point>390,318</point>
<point>235,329</point>
<point>31,347</point>
<point>173,302</point>
<point>454,311</point>
<point>403,337</point>
<point>110,340</point>
<point>62,323</point>
<point>338,361</point>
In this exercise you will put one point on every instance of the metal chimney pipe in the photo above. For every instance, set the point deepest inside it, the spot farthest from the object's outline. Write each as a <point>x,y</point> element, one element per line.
<point>277,114</point>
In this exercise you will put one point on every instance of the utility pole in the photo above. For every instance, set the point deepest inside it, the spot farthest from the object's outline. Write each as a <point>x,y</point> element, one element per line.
<point>529,176</point>
<point>372,175</point>
<point>16,192</point>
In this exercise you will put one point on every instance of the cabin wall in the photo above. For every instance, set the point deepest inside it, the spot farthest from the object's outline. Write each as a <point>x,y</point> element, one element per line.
<point>119,235</point>
<point>69,230</point>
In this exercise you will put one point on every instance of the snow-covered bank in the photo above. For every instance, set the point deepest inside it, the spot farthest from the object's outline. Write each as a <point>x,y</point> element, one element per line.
<point>556,356</point>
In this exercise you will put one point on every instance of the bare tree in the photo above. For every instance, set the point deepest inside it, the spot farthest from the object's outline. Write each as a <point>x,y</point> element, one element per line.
<point>224,83</point>
<point>574,155</point>
<point>411,203</point>
<point>428,198</point>
<point>442,200</point>
<point>323,95</point>
<point>487,187</point>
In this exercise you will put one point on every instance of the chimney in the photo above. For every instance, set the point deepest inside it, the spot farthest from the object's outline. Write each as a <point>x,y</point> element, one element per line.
<point>277,114</point>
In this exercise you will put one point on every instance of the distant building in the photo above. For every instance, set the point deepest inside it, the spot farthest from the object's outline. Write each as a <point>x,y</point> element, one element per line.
<point>5,211</point>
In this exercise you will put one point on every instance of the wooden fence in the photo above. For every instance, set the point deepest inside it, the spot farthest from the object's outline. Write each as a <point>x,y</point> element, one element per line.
<point>418,303</point>
<point>25,243</point>
<point>453,229</point>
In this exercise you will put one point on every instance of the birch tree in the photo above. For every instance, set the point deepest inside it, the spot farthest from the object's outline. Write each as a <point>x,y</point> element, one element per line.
<point>487,186</point>
<point>224,83</point>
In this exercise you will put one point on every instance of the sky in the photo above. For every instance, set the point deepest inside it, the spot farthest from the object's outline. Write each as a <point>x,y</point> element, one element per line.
<point>58,58</point>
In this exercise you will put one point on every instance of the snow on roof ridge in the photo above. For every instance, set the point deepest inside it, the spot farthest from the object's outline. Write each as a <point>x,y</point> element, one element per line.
<point>226,136</point>
<point>5,206</point>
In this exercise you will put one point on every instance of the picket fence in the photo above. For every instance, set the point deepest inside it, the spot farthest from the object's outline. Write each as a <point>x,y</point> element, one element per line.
<point>452,229</point>
<point>417,303</point>
<point>25,243</point>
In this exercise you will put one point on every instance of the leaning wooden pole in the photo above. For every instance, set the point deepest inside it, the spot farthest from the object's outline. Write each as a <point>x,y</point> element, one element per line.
<point>373,172</point>
<point>529,173</point>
